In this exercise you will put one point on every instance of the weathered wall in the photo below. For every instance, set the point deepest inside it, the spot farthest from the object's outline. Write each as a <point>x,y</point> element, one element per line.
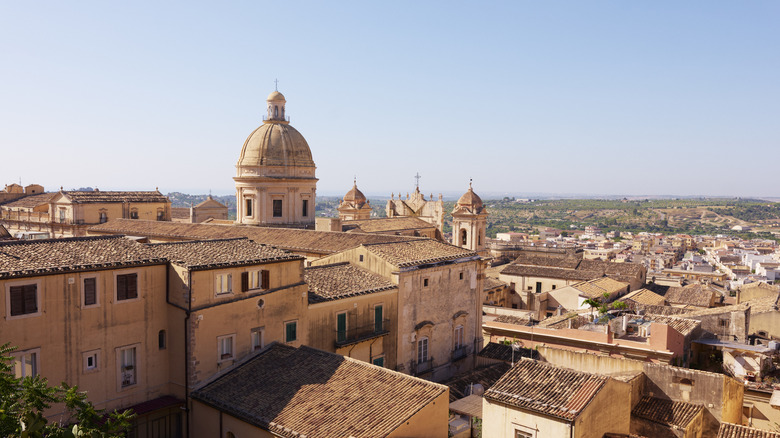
<point>499,420</point>
<point>430,421</point>
<point>607,412</point>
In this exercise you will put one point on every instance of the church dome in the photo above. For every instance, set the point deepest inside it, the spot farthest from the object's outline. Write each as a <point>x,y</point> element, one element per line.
<point>354,195</point>
<point>276,96</point>
<point>470,202</point>
<point>275,144</point>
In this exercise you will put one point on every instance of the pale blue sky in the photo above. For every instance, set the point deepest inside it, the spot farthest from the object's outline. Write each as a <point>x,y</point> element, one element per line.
<point>618,97</point>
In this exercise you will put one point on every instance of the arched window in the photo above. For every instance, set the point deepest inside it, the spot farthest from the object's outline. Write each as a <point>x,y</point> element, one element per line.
<point>458,337</point>
<point>463,237</point>
<point>230,435</point>
<point>276,111</point>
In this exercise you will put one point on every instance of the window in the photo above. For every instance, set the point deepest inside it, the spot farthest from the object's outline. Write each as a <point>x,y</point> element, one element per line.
<point>26,363</point>
<point>89,290</point>
<point>225,347</point>
<point>422,350</point>
<point>224,284</point>
<point>361,257</point>
<point>257,279</point>
<point>305,208</point>
<point>277,208</point>
<point>161,340</point>
<point>160,215</point>
<point>103,217</point>
<point>458,336</point>
<point>725,323</point>
<point>23,299</point>
<point>463,238</point>
<point>378,324</point>
<point>257,336</point>
<point>523,434</point>
<point>91,360</point>
<point>291,331</point>
<point>379,361</point>
<point>127,370</point>
<point>553,286</point>
<point>126,287</point>
<point>62,215</point>
<point>425,282</point>
<point>133,214</point>
<point>538,287</point>
<point>461,276</point>
<point>248,208</point>
<point>341,326</point>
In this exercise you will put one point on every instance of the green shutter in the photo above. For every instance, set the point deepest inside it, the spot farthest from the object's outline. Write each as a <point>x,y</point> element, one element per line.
<point>290,332</point>
<point>341,327</point>
<point>378,319</point>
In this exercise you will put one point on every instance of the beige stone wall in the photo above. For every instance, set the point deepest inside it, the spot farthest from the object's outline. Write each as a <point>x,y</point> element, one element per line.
<point>607,412</point>
<point>430,421</point>
<point>768,322</point>
<point>263,191</point>
<point>321,326</point>
<point>65,332</point>
<point>209,422</point>
<point>501,421</point>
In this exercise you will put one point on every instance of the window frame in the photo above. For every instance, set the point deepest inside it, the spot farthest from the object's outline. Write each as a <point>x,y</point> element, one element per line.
<point>38,300</point>
<point>86,369</point>
<point>286,324</point>
<point>221,343</point>
<point>218,283</point>
<point>420,357</point>
<point>120,366</point>
<point>118,274</point>
<point>249,210</point>
<point>257,331</point>
<point>459,336</point>
<point>82,280</point>
<point>36,363</point>
<point>273,208</point>
<point>304,207</point>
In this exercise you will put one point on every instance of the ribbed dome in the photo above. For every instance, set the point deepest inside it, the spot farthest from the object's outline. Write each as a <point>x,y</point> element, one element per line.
<point>355,196</point>
<point>275,96</point>
<point>470,199</point>
<point>275,144</point>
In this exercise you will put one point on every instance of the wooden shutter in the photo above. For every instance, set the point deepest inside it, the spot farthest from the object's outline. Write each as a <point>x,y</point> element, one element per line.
<point>121,287</point>
<point>244,281</point>
<point>378,319</point>
<point>132,286</point>
<point>90,292</point>
<point>265,279</point>
<point>30,298</point>
<point>17,300</point>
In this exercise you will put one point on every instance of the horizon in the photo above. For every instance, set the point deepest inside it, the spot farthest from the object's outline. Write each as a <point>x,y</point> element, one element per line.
<point>609,98</point>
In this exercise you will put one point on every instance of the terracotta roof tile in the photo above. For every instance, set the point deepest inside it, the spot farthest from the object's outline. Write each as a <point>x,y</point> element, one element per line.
<point>31,201</point>
<point>692,294</point>
<point>598,287</point>
<point>387,225</point>
<point>419,252</point>
<point>341,280</point>
<point>303,391</point>
<point>322,242</point>
<point>728,430</point>
<point>546,388</point>
<point>491,283</point>
<point>495,350</point>
<point>485,376</point>
<point>220,252</point>
<point>683,325</point>
<point>666,412</point>
<point>80,197</point>
<point>644,296</point>
<point>37,257</point>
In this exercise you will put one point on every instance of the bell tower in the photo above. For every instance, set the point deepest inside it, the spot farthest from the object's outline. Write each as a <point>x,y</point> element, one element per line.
<point>469,222</point>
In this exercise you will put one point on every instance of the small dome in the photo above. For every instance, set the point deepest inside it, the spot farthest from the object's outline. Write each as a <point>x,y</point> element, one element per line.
<point>470,199</point>
<point>276,96</point>
<point>355,195</point>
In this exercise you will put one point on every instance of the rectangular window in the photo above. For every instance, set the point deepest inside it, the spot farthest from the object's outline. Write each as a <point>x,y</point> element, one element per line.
<point>425,282</point>
<point>277,208</point>
<point>341,327</point>
<point>422,350</point>
<point>127,369</point>
<point>378,324</point>
<point>305,209</point>
<point>458,337</point>
<point>24,299</point>
<point>379,361</point>
<point>258,338</point>
<point>26,363</point>
<point>461,276</point>
<point>90,291</point>
<point>290,331</point>
<point>248,208</point>
<point>134,214</point>
<point>103,217</point>
<point>254,280</point>
<point>224,284</point>
<point>126,287</point>
<point>91,360</point>
<point>160,215</point>
<point>225,346</point>
<point>62,215</point>
<point>538,287</point>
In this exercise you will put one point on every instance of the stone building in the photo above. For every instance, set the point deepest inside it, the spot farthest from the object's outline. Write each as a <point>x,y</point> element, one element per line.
<point>417,206</point>
<point>354,205</point>
<point>275,174</point>
<point>469,222</point>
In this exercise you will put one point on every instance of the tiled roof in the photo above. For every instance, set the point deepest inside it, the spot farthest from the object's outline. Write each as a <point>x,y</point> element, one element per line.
<point>759,285</point>
<point>303,391</point>
<point>491,283</point>
<point>218,253</point>
<point>51,256</point>
<point>485,376</point>
<point>546,388</point>
<point>549,272</point>
<point>30,201</point>
<point>99,196</point>
<point>512,319</point>
<point>728,430</point>
<point>386,225</point>
<point>4,232</point>
<point>322,242</point>
<point>498,351</point>
<point>692,294</point>
<point>418,252</point>
<point>563,321</point>
<point>666,412</point>
<point>598,287</point>
<point>644,296</point>
<point>683,325</point>
<point>341,280</point>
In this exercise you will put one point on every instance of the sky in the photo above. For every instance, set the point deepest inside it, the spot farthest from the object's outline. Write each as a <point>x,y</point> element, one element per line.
<point>553,97</point>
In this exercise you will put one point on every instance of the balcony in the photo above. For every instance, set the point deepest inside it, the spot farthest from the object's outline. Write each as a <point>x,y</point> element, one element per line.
<point>422,367</point>
<point>354,335</point>
<point>460,353</point>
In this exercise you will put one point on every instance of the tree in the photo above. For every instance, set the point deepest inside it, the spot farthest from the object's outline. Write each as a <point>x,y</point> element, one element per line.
<point>23,401</point>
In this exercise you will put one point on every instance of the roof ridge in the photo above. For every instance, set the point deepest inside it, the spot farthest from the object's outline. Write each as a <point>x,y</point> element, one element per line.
<point>226,239</point>
<point>62,239</point>
<point>329,265</point>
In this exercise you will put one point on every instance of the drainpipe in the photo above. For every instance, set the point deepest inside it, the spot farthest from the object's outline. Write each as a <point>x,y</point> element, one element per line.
<point>186,355</point>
